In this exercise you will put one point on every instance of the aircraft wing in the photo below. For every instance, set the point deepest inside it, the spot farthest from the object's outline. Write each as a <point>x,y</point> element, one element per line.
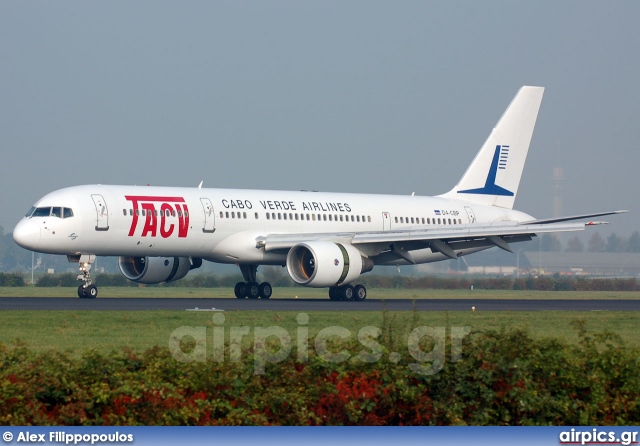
<point>573,217</point>
<point>445,240</point>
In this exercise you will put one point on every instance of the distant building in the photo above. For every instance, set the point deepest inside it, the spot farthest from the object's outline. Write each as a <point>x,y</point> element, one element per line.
<point>586,263</point>
<point>498,262</point>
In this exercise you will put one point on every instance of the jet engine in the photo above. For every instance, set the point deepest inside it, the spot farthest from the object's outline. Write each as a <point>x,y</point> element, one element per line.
<point>325,264</point>
<point>156,269</point>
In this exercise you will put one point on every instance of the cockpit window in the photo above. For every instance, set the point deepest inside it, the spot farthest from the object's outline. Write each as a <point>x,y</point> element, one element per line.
<point>56,211</point>
<point>41,212</point>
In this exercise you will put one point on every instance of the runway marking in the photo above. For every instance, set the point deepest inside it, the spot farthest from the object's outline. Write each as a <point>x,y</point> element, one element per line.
<point>193,304</point>
<point>204,309</point>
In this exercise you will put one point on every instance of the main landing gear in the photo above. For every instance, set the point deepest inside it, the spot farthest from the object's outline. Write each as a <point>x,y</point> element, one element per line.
<point>250,288</point>
<point>87,289</point>
<point>348,292</point>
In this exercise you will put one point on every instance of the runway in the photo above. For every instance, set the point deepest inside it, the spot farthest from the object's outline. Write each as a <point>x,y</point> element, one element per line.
<point>228,304</point>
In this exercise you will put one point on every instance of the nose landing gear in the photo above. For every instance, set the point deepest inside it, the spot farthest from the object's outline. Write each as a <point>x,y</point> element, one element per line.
<point>87,289</point>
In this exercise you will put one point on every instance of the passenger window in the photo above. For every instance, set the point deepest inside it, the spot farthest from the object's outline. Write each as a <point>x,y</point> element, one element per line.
<point>256,215</point>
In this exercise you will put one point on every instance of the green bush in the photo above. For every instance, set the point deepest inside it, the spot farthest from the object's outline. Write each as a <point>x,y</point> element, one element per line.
<point>279,279</point>
<point>11,280</point>
<point>113,280</point>
<point>504,378</point>
<point>58,280</point>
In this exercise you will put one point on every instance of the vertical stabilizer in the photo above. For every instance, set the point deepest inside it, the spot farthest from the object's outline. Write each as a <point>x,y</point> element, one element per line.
<point>494,174</point>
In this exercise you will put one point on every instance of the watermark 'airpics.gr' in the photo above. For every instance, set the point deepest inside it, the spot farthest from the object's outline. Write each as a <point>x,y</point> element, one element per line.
<point>428,362</point>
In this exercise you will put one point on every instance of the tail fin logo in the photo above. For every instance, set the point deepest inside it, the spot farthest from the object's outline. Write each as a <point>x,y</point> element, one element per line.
<point>500,158</point>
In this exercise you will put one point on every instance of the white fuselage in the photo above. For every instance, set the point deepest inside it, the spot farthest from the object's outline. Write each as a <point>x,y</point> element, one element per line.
<point>223,225</point>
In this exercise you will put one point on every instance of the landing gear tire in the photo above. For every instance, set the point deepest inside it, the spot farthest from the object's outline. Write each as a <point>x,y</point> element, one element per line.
<point>240,290</point>
<point>333,293</point>
<point>359,293</point>
<point>265,290</point>
<point>253,290</point>
<point>86,289</point>
<point>92,292</point>
<point>346,292</point>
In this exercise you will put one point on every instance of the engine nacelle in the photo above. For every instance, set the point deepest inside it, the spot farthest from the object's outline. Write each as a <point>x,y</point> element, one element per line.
<point>325,264</point>
<point>156,269</point>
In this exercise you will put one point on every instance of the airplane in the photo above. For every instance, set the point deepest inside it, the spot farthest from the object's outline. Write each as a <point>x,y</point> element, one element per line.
<point>325,240</point>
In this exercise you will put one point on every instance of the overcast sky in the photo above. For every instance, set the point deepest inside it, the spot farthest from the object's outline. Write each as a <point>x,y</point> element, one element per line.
<point>354,96</point>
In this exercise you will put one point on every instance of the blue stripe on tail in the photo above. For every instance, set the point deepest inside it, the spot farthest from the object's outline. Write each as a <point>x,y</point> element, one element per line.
<point>490,187</point>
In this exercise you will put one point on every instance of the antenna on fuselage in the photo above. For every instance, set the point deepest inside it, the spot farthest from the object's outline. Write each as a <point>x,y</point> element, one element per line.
<point>200,185</point>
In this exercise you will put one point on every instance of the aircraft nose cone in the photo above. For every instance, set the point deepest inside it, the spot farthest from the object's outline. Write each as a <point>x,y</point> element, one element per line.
<point>27,234</point>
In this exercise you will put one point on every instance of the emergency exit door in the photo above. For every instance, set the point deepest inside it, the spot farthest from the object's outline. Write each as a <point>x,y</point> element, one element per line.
<point>102,213</point>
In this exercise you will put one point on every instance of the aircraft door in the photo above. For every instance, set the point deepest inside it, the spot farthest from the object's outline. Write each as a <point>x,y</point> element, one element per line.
<point>209,216</point>
<point>386,221</point>
<point>470,214</point>
<point>102,213</point>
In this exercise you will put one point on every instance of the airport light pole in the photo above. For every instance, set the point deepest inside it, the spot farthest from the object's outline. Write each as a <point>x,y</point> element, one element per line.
<point>518,263</point>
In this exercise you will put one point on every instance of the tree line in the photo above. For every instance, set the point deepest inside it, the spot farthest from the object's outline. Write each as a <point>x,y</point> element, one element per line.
<point>596,243</point>
<point>372,281</point>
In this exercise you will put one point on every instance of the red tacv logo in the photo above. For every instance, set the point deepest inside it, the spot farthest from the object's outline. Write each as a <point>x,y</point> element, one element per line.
<point>169,210</point>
